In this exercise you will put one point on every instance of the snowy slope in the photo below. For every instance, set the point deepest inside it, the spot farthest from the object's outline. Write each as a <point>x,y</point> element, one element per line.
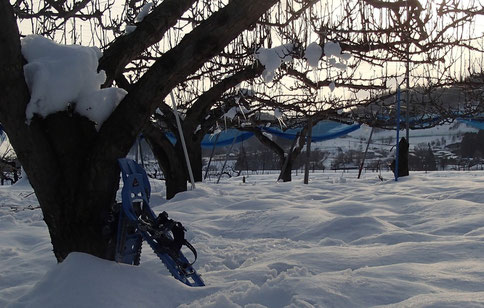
<point>337,242</point>
<point>358,139</point>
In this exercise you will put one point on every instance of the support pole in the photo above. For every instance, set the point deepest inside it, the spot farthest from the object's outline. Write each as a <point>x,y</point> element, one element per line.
<point>398,134</point>
<point>407,100</point>
<point>407,77</point>
<point>308,150</point>
<point>366,151</point>
<point>211,156</point>
<point>227,157</point>
<point>182,139</point>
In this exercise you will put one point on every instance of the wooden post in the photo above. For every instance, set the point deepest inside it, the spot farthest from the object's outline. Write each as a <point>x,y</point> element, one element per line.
<point>308,150</point>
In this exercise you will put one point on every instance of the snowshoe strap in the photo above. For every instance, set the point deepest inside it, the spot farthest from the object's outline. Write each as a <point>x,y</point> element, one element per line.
<point>192,249</point>
<point>178,236</point>
<point>179,240</point>
<point>178,231</point>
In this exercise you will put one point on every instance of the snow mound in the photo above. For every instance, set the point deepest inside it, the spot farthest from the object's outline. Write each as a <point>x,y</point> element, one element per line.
<point>347,229</point>
<point>59,76</point>
<point>86,281</point>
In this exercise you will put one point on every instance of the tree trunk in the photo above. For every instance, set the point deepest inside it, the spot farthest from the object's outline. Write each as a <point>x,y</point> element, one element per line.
<point>171,162</point>
<point>194,149</point>
<point>75,205</point>
<point>55,154</point>
<point>286,174</point>
<point>175,180</point>
<point>171,158</point>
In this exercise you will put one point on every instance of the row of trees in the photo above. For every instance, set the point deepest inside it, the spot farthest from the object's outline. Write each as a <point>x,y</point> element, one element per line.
<point>211,55</point>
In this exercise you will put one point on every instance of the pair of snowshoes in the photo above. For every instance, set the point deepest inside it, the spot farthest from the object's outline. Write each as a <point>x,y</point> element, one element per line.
<point>138,223</point>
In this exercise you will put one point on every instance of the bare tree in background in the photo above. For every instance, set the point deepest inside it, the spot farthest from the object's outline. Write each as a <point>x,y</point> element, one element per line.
<point>375,33</point>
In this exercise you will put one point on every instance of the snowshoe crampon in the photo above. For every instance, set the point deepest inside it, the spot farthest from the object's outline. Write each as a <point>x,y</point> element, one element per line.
<point>137,222</point>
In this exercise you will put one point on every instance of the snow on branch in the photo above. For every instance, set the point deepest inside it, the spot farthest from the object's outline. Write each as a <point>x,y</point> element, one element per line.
<point>63,76</point>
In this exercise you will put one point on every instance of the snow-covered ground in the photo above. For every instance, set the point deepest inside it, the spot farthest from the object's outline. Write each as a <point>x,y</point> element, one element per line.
<point>337,242</point>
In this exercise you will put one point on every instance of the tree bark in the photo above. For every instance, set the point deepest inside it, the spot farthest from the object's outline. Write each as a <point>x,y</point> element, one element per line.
<point>169,160</point>
<point>286,162</point>
<point>194,149</point>
<point>286,175</point>
<point>151,30</point>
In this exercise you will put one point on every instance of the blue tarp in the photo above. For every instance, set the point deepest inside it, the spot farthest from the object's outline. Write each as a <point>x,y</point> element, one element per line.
<point>324,130</point>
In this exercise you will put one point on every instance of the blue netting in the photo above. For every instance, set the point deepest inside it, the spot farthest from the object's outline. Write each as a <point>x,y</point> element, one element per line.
<point>479,124</point>
<point>426,121</point>
<point>225,138</point>
<point>324,130</point>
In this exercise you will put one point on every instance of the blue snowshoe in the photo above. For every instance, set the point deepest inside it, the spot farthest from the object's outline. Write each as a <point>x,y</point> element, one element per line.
<point>137,222</point>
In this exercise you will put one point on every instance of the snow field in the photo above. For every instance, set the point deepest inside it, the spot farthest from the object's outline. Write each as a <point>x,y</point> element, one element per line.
<point>337,242</point>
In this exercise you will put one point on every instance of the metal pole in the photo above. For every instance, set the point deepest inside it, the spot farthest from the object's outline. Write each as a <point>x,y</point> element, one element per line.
<point>398,134</point>
<point>407,102</point>
<point>182,139</point>
<point>211,156</point>
<point>227,157</point>
<point>366,151</point>
<point>308,150</point>
<point>407,77</point>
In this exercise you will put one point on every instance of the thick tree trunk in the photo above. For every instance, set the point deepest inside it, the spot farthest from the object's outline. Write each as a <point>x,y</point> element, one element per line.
<point>75,206</point>
<point>54,155</point>
<point>77,216</point>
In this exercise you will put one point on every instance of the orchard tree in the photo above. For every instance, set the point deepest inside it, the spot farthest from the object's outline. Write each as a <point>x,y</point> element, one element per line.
<point>73,170</point>
<point>389,43</point>
<point>199,119</point>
